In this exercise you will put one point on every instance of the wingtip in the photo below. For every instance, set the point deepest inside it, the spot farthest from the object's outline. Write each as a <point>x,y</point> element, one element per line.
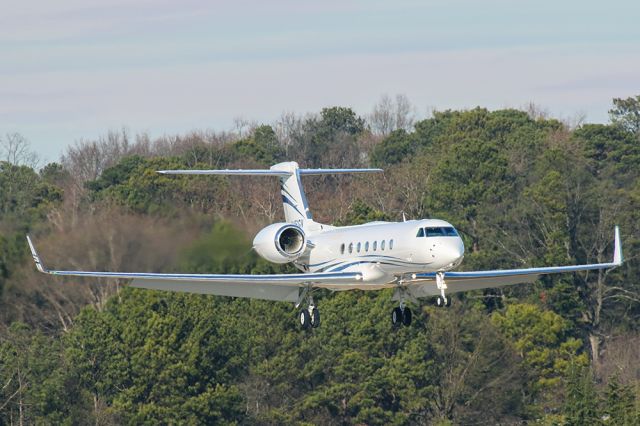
<point>35,256</point>
<point>618,258</point>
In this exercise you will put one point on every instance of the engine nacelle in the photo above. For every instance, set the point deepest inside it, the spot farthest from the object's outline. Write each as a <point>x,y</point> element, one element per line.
<point>280,242</point>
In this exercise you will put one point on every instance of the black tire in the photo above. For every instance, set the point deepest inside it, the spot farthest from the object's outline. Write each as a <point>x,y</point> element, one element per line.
<point>305,319</point>
<point>439,302</point>
<point>448,302</point>
<point>396,316</point>
<point>406,317</point>
<point>315,318</point>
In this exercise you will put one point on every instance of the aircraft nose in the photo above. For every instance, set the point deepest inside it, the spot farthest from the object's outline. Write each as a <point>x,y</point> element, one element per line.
<point>453,251</point>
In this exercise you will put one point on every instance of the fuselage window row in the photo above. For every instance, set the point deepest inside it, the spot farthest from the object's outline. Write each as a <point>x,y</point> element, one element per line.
<point>358,247</point>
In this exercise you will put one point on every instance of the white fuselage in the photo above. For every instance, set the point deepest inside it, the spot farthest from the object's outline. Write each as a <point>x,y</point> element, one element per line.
<point>382,251</point>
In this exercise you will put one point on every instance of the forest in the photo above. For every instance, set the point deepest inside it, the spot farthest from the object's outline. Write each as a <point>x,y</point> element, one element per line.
<point>523,188</point>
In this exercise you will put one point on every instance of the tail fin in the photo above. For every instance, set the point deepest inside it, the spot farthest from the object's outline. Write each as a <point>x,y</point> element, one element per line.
<point>294,202</point>
<point>296,207</point>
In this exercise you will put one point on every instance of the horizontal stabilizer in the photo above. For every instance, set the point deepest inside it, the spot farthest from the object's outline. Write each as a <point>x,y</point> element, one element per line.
<point>266,172</point>
<point>279,173</point>
<point>309,172</point>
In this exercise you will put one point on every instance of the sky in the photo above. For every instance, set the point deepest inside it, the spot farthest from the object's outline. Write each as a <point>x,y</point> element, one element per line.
<point>73,70</point>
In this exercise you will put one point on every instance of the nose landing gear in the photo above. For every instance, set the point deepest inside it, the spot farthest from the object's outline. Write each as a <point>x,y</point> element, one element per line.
<point>442,300</point>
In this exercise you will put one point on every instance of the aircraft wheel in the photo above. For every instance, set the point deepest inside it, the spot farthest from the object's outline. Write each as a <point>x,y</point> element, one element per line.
<point>406,317</point>
<point>305,319</point>
<point>439,302</point>
<point>315,318</point>
<point>396,316</point>
<point>447,302</point>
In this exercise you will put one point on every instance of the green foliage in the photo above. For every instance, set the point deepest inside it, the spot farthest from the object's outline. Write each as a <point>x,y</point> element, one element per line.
<point>25,199</point>
<point>330,138</point>
<point>158,358</point>
<point>542,339</point>
<point>263,147</point>
<point>32,390</point>
<point>397,147</point>
<point>581,400</point>
<point>135,183</point>
<point>225,250</point>
<point>610,149</point>
<point>522,191</point>
<point>340,119</point>
<point>360,212</point>
<point>621,405</point>
<point>626,113</point>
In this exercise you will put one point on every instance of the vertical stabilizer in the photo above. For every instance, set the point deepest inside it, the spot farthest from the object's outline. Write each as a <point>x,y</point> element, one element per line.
<point>296,207</point>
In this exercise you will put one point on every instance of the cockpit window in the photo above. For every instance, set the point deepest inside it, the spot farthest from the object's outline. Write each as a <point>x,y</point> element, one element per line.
<point>420,233</point>
<point>450,231</point>
<point>441,231</point>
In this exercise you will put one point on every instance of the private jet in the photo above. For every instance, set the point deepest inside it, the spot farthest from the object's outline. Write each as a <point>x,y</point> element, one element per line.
<point>416,258</point>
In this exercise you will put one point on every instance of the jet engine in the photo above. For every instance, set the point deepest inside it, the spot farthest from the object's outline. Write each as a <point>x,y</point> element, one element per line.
<point>280,242</point>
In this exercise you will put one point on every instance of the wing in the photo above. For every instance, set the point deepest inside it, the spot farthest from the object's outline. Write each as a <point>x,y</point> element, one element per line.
<point>283,287</point>
<point>423,285</point>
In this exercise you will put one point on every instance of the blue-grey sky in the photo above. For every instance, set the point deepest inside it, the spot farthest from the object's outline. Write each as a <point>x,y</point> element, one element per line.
<point>75,69</point>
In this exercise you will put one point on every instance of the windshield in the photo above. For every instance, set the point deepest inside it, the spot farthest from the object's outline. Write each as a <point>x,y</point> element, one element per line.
<point>438,231</point>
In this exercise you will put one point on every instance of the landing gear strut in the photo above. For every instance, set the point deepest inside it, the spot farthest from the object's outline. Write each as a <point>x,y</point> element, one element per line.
<point>401,315</point>
<point>309,316</point>
<point>442,300</point>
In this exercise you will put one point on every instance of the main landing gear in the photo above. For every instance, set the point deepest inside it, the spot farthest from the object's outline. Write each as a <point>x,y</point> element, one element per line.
<point>401,315</point>
<point>309,316</point>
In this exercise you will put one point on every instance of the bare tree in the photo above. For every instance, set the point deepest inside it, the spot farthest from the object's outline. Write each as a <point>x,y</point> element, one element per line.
<point>391,114</point>
<point>286,128</point>
<point>15,149</point>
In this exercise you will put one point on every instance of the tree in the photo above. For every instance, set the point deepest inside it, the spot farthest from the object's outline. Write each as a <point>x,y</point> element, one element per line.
<point>331,139</point>
<point>626,114</point>
<point>388,116</point>
<point>263,146</point>
<point>15,149</point>
<point>543,340</point>
<point>397,147</point>
<point>621,404</point>
<point>31,378</point>
<point>580,400</point>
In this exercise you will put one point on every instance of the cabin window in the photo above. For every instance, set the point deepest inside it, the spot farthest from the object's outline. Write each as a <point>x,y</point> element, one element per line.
<point>375,245</point>
<point>366,246</point>
<point>350,247</point>
<point>342,248</point>
<point>359,246</point>
<point>382,245</point>
<point>420,233</point>
<point>390,244</point>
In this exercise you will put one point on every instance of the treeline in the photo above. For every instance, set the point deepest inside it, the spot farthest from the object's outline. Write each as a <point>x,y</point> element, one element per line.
<point>523,189</point>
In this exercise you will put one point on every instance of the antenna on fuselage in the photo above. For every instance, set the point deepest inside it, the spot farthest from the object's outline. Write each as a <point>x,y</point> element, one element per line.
<point>404,218</point>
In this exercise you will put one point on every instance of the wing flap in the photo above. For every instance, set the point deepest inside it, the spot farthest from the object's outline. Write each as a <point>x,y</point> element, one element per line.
<point>285,293</point>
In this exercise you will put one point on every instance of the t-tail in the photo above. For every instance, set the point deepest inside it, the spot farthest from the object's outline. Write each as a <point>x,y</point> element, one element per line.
<point>296,207</point>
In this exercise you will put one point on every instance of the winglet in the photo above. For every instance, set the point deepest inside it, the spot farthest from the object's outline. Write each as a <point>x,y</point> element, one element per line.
<point>36,258</point>
<point>617,248</point>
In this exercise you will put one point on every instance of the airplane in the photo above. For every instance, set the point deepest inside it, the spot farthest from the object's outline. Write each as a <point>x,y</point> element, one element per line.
<point>416,258</point>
